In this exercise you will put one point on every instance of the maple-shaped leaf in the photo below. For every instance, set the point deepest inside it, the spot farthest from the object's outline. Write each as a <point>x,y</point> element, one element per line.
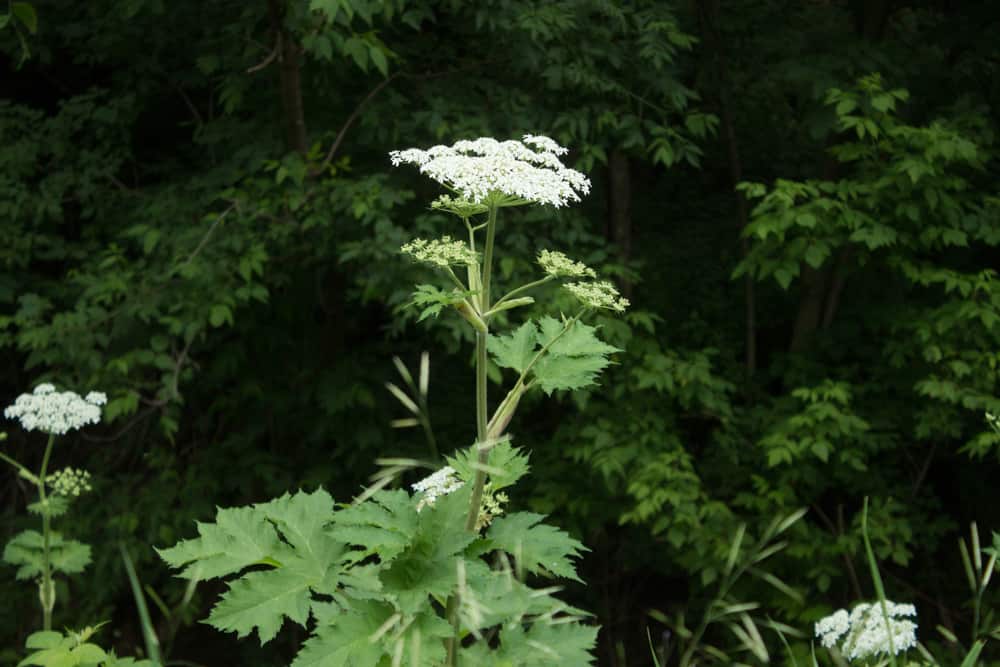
<point>494,597</point>
<point>579,340</point>
<point>25,551</point>
<point>536,547</point>
<point>506,464</point>
<point>239,538</point>
<point>291,536</point>
<point>434,299</point>
<point>573,354</point>
<point>514,350</point>
<point>384,524</point>
<point>546,645</point>
<point>429,566</point>
<point>345,640</point>
<point>262,600</point>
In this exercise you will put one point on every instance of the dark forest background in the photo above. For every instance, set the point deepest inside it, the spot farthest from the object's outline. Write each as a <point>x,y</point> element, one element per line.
<point>198,216</point>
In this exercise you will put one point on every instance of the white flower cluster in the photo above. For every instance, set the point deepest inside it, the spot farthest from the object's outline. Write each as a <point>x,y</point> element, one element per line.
<point>557,264</point>
<point>600,294</point>
<point>55,412</point>
<point>863,634</point>
<point>441,483</point>
<point>529,170</point>
<point>440,252</point>
<point>69,482</point>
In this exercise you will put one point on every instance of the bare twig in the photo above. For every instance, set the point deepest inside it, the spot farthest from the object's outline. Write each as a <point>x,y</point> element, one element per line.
<point>129,425</point>
<point>353,117</point>
<point>270,57</point>
<point>187,102</point>
<point>208,234</point>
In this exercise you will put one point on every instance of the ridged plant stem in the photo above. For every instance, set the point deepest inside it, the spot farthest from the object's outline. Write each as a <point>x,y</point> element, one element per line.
<point>47,591</point>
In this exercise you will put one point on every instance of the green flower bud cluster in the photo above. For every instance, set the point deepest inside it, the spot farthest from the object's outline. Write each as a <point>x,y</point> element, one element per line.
<point>558,265</point>
<point>459,206</point>
<point>491,507</point>
<point>443,252</point>
<point>69,482</point>
<point>600,294</point>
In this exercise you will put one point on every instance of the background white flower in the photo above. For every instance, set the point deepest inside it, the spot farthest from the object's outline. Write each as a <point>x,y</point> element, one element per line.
<point>55,412</point>
<point>527,171</point>
<point>864,634</point>
<point>441,483</point>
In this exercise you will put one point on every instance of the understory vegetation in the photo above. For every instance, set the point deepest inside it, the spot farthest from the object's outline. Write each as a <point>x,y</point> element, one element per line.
<point>696,363</point>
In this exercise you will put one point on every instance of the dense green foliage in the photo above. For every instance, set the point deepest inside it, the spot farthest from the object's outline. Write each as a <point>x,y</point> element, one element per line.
<point>198,217</point>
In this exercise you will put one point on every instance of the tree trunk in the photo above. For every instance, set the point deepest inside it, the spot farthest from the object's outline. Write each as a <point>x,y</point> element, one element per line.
<point>821,288</point>
<point>709,15</point>
<point>290,80</point>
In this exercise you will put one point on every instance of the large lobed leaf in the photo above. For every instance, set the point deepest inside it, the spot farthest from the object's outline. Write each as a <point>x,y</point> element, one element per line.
<point>536,547</point>
<point>289,535</point>
<point>25,550</point>
<point>573,360</point>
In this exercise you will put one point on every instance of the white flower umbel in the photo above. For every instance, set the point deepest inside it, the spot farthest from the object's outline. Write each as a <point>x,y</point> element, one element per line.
<point>831,628</point>
<point>440,252</point>
<point>69,482</point>
<point>558,265</point>
<point>600,294</point>
<point>441,483</point>
<point>55,412</point>
<point>864,633</point>
<point>506,172</point>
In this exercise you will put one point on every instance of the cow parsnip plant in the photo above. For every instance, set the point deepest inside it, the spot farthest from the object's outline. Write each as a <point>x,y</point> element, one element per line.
<point>41,555</point>
<point>440,576</point>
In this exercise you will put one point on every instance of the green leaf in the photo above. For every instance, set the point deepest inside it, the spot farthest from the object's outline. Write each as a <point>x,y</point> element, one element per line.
<point>542,645</point>
<point>515,350</point>
<point>261,600</point>
<point>345,640</point>
<point>25,551</point>
<point>505,465</point>
<point>89,653</point>
<point>25,13</point>
<point>220,314</point>
<point>574,358</point>
<point>816,254</point>
<point>379,60</point>
<point>569,373</point>
<point>54,506</point>
<point>239,538</point>
<point>385,524</point>
<point>434,299</point>
<point>537,548</point>
<point>43,639</point>
<point>289,534</point>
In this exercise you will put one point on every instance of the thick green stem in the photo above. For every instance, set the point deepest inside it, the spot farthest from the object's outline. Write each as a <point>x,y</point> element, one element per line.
<point>47,593</point>
<point>482,407</point>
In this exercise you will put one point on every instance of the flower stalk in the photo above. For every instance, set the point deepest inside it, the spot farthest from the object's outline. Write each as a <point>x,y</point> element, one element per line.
<point>47,590</point>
